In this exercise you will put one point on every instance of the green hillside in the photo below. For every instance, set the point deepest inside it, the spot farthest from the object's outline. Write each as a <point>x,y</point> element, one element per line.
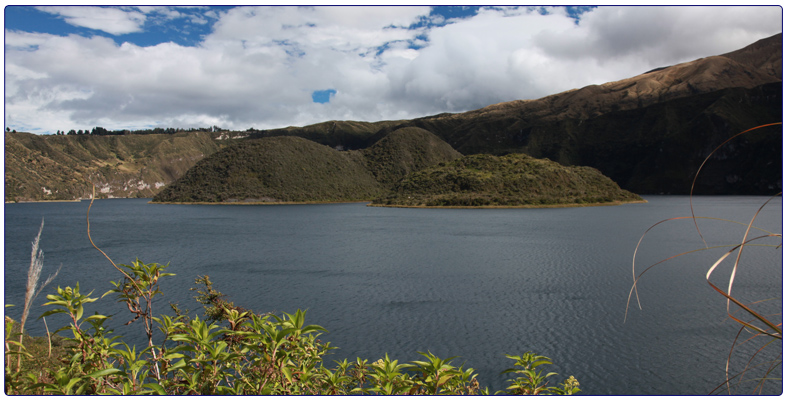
<point>513,180</point>
<point>404,151</point>
<point>275,169</point>
<point>293,169</point>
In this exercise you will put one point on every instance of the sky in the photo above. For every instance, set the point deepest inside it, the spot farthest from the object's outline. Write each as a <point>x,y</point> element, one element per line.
<point>135,67</point>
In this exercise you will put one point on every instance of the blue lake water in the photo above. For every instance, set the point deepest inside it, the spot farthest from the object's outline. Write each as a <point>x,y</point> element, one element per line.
<point>472,283</point>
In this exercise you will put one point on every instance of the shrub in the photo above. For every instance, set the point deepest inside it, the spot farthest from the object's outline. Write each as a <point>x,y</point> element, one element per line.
<point>239,353</point>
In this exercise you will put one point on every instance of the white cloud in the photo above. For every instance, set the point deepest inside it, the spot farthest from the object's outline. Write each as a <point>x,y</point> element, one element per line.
<point>114,21</point>
<point>260,65</point>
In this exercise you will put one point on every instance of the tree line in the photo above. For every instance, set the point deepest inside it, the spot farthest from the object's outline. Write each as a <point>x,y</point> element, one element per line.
<point>100,131</point>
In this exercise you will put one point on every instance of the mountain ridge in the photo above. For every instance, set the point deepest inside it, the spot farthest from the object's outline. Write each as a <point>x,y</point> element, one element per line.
<point>649,133</point>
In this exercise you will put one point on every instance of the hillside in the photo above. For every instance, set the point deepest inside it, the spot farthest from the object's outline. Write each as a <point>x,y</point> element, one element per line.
<point>63,167</point>
<point>343,135</point>
<point>650,132</point>
<point>293,169</point>
<point>404,151</point>
<point>514,180</point>
<point>276,169</point>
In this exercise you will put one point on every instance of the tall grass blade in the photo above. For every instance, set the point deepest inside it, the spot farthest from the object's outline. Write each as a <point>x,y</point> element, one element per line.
<point>695,179</point>
<point>771,329</point>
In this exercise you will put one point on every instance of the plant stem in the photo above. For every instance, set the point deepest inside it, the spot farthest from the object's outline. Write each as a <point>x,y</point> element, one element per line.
<point>49,339</point>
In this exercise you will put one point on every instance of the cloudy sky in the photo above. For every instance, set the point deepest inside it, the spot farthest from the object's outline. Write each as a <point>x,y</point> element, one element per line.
<point>70,67</point>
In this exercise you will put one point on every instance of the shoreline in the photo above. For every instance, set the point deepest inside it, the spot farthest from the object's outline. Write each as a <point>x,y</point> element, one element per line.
<point>256,203</point>
<point>370,204</point>
<point>563,205</point>
<point>44,201</point>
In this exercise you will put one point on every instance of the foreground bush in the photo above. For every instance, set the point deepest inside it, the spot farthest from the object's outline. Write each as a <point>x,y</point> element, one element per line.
<point>231,351</point>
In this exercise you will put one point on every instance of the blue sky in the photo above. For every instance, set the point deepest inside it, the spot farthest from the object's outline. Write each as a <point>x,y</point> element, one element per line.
<point>187,29</point>
<point>137,67</point>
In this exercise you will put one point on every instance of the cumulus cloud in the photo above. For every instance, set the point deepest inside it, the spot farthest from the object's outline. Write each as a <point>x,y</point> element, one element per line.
<point>259,66</point>
<point>114,21</point>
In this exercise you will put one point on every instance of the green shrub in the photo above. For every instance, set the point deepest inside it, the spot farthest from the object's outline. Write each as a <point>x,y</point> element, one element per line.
<point>232,351</point>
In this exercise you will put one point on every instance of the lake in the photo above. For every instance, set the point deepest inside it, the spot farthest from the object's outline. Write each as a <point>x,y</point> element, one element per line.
<point>473,283</point>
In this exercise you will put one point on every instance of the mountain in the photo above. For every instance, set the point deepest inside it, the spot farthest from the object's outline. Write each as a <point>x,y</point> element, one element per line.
<point>63,167</point>
<point>649,133</point>
<point>484,180</point>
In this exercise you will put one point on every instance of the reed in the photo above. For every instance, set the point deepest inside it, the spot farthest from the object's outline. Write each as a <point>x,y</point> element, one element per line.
<point>756,326</point>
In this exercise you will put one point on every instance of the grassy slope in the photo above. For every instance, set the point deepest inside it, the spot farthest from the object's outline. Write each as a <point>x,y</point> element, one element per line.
<point>511,180</point>
<point>404,151</point>
<point>275,169</point>
<point>292,169</point>
<point>120,166</point>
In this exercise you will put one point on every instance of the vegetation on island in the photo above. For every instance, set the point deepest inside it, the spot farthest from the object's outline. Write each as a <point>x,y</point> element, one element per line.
<point>293,169</point>
<point>404,151</point>
<point>512,180</point>
<point>408,167</point>
<point>277,169</point>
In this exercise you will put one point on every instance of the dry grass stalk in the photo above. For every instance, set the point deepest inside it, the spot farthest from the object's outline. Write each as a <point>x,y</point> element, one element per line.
<point>33,274</point>
<point>770,329</point>
<point>49,339</point>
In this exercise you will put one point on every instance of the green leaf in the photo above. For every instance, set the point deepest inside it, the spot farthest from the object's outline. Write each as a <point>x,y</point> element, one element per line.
<point>104,372</point>
<point>71,383</point>
<point>50,312</point>
<point>178,365</point>
<point>156,388</point>
<point>443,379</point>
<point>310,328</point>
<point>170,356</point>
<point>61,329</point>
<point>287,373</point>
<point>538,363</point>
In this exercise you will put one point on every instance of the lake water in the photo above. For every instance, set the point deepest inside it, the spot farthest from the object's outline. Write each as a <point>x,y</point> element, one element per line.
<point>472,283</point>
